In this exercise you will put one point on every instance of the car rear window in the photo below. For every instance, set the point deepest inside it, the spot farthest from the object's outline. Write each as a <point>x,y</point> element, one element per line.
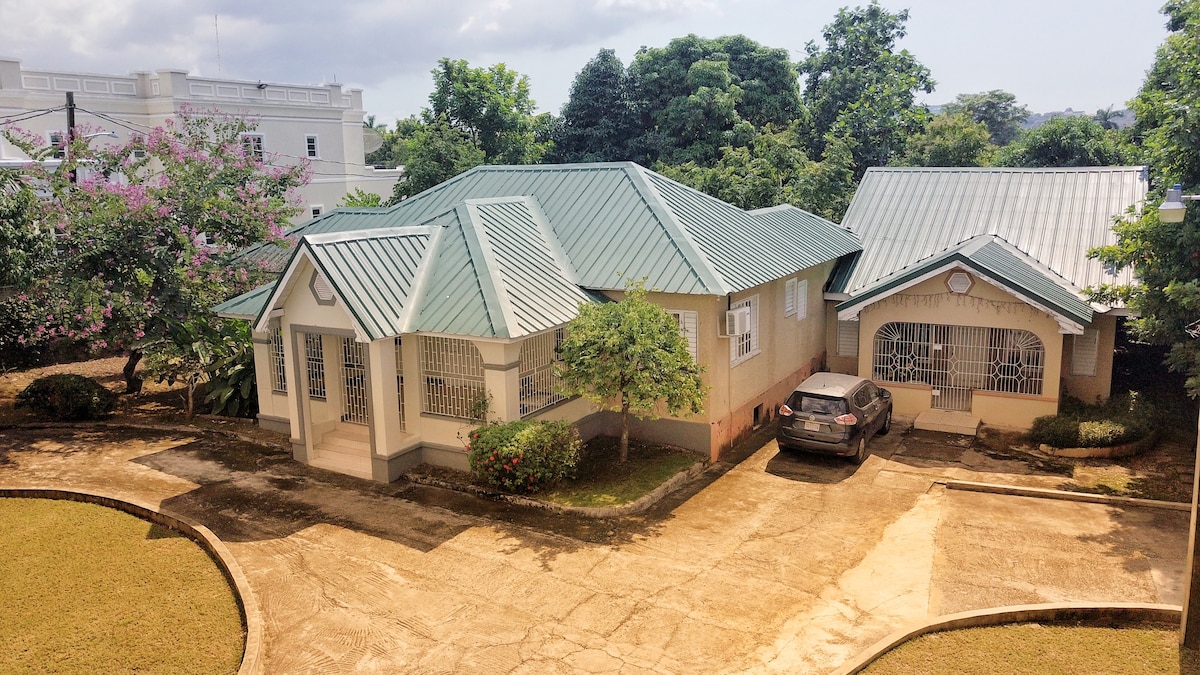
<point>818,405</point>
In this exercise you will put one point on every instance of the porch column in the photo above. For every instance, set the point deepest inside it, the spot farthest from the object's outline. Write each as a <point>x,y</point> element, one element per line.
<point>385,404</point>
<point>501,376</point>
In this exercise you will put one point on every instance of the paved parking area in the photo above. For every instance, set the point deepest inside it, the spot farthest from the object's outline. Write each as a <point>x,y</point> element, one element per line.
<point>779,564</point>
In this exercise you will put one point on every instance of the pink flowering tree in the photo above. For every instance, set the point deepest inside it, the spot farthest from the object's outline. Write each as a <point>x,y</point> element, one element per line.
<point>146,233</point>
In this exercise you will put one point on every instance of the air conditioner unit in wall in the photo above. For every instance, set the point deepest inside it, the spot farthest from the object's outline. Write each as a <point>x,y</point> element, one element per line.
<point>737,321</point>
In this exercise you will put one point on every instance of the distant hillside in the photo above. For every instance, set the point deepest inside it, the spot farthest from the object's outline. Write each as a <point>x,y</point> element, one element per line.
<point>1035,120</point>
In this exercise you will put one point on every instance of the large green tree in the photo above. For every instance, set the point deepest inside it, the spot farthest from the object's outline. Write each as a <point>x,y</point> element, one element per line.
<point>860,88</point>
<point>1166,256</point>
<point>949,140</point>
<point>490,106</point>
<point>998,109</point>
<point>774,169</point>
<point>597,122</point>
<point>697,95</point>
<point>629,356</point>
<point>475,116</point>
<point>26,245</point>
<point>1066,141</point>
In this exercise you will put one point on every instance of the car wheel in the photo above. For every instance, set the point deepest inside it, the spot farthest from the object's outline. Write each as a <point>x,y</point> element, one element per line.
<point>887,423</point>
<point>860,455</point>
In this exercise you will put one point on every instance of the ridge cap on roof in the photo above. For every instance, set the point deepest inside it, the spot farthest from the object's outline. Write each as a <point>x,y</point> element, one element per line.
<point>1003,169</point>
<point>323,238</point>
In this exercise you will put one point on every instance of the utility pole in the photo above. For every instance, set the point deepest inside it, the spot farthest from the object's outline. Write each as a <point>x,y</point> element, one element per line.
<point>70,127</point>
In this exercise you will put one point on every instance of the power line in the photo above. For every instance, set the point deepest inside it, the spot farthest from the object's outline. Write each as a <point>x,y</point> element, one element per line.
<point>30,114</point>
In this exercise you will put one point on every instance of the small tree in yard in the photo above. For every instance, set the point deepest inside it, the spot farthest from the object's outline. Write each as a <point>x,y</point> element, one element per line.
<point>629,356</point>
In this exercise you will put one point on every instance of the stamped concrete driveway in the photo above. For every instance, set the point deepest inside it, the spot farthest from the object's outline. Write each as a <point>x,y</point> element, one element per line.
<point>777,564</point>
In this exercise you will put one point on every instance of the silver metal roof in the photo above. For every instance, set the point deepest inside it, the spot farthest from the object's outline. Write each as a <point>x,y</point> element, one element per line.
<point>903,215</point>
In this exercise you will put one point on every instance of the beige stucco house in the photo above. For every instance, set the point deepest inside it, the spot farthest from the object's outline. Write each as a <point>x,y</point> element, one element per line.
<point>968,295</point>
<point>389,328</point>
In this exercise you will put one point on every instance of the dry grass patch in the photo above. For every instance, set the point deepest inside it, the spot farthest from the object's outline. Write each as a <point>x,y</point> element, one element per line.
<point>89,589</point>
<point>1041,649</point>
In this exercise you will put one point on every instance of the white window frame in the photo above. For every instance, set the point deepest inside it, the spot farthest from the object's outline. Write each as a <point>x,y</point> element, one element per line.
<point>1085,353</point>
<point>248,145</point>
<point>789,297</point>
<point>689,327</point>
<point>316,210</point>
<point>801,299</point>
<point>744,347</point>
<point>312,146</point>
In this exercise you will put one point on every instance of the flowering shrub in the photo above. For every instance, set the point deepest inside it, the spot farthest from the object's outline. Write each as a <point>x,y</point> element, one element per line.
<point>524,456</point>
<point>67,397</point>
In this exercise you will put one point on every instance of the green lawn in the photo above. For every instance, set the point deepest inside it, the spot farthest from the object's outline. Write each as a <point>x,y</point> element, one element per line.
<point>1041,649</point>
<point>603,481</point>
<point>89,589</point>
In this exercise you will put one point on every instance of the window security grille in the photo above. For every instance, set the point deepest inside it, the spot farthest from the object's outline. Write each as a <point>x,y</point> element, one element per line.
<point>314,356</point>
<point>744,346</point>
<point>539,386</point>
<point>453,376</point>
<point>278,370</point>
<point>354,381</point>
<point>400,382</point>
<point>955,360</point>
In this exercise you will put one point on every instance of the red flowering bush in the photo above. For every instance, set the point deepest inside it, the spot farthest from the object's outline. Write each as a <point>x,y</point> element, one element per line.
<point>524,456</point>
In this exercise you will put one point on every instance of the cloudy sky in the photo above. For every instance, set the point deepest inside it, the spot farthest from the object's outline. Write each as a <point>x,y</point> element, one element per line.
<point>1053,54</point>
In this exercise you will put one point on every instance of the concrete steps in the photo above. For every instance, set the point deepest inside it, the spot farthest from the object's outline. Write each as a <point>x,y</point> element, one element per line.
<point>948,421</point>
<point>345,449</point>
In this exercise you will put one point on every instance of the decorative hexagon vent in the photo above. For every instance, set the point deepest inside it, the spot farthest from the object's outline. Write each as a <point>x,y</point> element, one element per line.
<point>959,282</point>
<point>322,289</point>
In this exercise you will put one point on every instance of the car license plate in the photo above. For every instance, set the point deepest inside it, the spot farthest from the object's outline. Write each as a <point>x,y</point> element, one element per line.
<point>812,426</point>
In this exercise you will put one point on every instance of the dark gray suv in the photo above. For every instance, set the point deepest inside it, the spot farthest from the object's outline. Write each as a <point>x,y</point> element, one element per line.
<point>835,414</point>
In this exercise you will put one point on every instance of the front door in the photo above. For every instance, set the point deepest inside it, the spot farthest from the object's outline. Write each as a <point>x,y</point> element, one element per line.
<point>354,382</point>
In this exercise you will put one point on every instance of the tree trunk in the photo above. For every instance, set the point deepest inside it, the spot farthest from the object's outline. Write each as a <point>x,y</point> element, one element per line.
<point>191,399</point>
<point>133,383</point>
<point>624,432</point>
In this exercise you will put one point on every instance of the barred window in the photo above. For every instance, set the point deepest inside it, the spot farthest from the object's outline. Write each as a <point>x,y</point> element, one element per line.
<point>1002,360</point>
<point>278,371</point>
<point>452,370</point>
<point>400,381</point>
<point>540,387</point>
<point>314,356</point>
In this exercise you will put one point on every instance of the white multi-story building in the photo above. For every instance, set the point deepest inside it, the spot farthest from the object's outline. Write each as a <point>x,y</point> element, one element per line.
<point>322,124</point>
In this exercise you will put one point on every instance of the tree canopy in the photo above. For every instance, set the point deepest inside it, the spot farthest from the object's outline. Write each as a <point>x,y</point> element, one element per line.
<point>998,109</point>
<point>860,88</point>
<point>1065,141</point>
<point>597,122</point>
<point>629,356</point>
<point>949,140</point>
<point>1166,256</point>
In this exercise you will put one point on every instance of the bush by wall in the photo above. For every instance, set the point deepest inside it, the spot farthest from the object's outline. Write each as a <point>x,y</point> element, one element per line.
<point>67,398</point>
<point>1120,420</point>
<point>524,456</point>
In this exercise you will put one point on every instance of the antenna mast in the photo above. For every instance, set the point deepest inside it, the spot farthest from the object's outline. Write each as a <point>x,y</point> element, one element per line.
<point>217,35</point>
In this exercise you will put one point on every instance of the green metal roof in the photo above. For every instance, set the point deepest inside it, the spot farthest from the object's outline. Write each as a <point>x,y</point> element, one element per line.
<point>1053,215</point>
<point>997,261</point>
<point>617,221</point>
<point>247,305</point>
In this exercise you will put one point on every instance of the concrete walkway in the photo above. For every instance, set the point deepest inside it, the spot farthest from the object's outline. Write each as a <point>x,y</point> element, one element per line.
<point>780,564</point>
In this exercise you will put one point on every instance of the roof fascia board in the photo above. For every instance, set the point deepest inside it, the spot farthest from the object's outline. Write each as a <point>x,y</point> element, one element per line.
<point>699,263</point>
<point>338,237</point>
<point>303,252</point>
<point>849,311</point>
